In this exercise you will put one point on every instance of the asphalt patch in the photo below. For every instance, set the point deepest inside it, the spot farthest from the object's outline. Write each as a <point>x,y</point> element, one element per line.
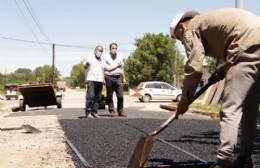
<point>111,142</point>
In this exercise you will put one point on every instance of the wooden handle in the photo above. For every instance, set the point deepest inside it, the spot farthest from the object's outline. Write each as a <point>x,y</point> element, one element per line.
<point>14,128</point>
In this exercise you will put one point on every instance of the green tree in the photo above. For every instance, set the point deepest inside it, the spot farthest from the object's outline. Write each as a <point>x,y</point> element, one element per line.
<point>44,74</point>
<point>2,79</point>
<point>19,76</point>
<point>77,75</point>
<point>24,75</point>
<point>211,63</point>
<point>155,59</point>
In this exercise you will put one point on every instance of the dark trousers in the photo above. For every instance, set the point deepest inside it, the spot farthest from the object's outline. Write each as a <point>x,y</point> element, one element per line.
<point>94,96</point>
<point>115,83</point>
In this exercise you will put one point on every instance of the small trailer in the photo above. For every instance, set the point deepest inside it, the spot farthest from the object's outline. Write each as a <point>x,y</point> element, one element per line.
<point>35,95</point>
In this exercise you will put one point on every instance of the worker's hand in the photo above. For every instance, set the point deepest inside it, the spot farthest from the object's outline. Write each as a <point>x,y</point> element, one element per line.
<point>181,109</point>
<point>104,82</point>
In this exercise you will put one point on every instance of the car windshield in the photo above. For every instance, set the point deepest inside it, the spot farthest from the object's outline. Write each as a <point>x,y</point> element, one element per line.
<point>164,86</point>
<point>140,85</point>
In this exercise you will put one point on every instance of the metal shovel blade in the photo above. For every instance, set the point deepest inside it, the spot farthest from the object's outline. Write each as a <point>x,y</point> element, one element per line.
<point>141,152</point>
<point>30,129</point>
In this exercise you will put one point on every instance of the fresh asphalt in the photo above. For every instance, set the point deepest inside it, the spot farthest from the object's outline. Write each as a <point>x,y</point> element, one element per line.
<point>110,142</point>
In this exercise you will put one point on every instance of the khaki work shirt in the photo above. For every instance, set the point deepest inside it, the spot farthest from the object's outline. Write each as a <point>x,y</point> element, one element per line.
<point>223,34</point>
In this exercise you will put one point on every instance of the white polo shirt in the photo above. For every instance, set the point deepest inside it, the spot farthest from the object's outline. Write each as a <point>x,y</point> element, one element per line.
<point>95,71</point>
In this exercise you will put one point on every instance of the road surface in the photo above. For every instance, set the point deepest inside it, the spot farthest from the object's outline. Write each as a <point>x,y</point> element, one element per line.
<point>110,142</point>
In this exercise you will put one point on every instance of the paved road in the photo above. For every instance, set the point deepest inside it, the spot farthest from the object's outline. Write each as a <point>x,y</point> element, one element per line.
<point>109,142</point>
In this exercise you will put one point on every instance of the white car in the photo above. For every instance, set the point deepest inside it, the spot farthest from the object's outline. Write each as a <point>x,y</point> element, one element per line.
<point>155,90</point>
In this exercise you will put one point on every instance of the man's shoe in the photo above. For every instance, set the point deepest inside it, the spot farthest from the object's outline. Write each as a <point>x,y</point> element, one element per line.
<point>243,162</point>
<point>112,114</point>
<point>89,116</point>
<point>122,115</point>
<point>95,115</point>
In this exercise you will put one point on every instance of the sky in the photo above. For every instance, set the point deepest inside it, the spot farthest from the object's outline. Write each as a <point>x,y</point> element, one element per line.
<point>30,27</point>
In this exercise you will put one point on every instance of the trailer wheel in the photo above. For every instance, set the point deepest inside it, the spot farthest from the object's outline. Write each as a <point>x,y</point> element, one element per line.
<point>58,99</point>
<point>22,105</point>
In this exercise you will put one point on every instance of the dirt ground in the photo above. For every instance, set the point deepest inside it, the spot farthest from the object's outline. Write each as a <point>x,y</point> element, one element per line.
<point>19,149</point>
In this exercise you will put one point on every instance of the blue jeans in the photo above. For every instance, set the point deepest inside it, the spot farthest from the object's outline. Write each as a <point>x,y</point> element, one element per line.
<point>94,96</point>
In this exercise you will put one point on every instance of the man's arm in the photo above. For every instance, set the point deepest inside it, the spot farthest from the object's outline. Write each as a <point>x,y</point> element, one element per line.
<point>193,70</point>
<point>109,69</point>
<point>123,76</point>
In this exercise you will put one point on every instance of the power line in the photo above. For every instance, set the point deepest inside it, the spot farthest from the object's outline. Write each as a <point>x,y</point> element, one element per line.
<point>26,21</point>
<point>28,41</point>
<point>29,26</point>
<point>45,43</point>
<point>35,19</point>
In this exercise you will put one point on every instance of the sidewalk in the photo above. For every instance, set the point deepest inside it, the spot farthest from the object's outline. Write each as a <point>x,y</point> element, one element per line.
<point>40,150</point>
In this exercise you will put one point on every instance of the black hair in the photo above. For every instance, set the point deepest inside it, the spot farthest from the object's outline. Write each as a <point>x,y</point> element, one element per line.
<point>111,45</point>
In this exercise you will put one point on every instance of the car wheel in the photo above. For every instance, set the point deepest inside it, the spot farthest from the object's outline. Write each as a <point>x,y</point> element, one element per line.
<point>146,98</point>
<point>178,99</point>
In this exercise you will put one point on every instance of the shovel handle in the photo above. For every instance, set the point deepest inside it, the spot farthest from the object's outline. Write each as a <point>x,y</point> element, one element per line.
<point>15,128</point>
<point>163,126</point>
<point>213,79</point>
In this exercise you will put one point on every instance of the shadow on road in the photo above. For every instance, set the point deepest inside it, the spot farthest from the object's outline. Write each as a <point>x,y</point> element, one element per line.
<point>210,137</point>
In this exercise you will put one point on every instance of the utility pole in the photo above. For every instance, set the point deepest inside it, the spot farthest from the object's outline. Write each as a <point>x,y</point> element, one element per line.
<point>53,66</point>
<point>239,4</point>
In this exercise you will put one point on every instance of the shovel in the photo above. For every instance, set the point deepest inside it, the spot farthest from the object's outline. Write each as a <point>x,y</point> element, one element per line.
<point>28,128</point>
<point>146,141</point>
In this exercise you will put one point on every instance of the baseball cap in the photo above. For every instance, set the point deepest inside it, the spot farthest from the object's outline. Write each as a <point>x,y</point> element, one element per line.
<point>180,17</point>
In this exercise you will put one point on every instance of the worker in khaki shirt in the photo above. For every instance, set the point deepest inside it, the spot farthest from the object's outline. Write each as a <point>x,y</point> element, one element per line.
<point>232,35</point>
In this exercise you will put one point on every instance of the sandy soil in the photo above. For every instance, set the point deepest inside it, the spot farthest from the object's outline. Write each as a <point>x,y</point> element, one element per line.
<point>47,149</point>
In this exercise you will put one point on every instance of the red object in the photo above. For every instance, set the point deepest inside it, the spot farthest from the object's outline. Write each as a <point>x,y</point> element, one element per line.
<point>136,92</point>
